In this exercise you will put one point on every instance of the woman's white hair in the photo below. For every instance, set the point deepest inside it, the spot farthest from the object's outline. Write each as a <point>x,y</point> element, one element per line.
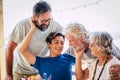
<point>103,39</point>
<point>77,30</point>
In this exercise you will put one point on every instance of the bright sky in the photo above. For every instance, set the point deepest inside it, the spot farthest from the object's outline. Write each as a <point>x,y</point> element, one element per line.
<point>102,16</point>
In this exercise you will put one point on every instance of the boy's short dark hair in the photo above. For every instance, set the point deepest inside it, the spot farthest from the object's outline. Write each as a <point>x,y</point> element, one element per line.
<point>53,35</point>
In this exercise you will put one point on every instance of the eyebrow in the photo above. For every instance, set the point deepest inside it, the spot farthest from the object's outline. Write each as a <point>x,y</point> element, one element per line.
<point>58,40</point>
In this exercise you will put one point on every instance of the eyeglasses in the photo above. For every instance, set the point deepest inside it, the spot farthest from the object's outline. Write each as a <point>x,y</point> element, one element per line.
<point>48,20</point>
<point>44,21</point>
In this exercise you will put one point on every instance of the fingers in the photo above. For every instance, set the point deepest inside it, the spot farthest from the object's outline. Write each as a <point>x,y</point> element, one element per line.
<point>114,68</point>
<point>31,21</point>
<point>79,52</point>
<point>114,72</point>
<point>115,78</point>
<point>33,18</point>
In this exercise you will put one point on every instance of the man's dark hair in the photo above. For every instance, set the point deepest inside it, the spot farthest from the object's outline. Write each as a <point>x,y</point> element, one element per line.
<point>40,8</point>
<point>52,36</point>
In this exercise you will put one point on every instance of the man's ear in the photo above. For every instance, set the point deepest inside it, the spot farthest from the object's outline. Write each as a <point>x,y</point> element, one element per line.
<point>48,44</point>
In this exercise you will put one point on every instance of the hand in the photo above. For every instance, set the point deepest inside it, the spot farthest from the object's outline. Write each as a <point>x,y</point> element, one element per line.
<point>79,45</point>
<point>8,77</point>
<point>32,23</point>
<point>35,77</point>
<point>38,77</point>
<point>79,52</point>
<point>114,72</point>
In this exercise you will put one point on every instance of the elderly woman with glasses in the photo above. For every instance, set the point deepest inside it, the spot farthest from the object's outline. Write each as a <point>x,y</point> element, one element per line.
<point>101,47</point>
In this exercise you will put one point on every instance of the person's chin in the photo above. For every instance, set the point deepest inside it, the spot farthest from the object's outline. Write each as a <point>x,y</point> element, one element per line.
<point>59,52</point>
<point>44,28</point>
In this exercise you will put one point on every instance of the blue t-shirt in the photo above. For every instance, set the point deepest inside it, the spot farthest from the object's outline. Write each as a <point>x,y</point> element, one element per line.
<point>55,68</point>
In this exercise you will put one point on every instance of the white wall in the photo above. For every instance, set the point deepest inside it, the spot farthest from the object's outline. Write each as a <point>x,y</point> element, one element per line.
<point>98,16</point>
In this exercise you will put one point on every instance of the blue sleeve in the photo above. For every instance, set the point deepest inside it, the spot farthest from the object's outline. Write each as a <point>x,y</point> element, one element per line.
<point>37,62</point>
<point>71,58</point>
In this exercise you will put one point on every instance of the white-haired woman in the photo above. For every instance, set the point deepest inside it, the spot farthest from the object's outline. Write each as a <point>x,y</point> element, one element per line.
<point>101,47</point>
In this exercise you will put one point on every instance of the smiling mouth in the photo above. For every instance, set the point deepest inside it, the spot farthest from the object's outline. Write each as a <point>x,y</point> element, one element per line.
<point>58,49</point>
<point>44,26</point>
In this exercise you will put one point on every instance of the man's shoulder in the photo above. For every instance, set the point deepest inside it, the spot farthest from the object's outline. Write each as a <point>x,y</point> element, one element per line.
<point>23,24</point>
<point>54,22</point>
<point>24,21</point>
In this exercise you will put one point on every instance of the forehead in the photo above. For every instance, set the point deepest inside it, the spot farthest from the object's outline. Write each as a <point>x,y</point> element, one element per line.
<point>45,15</point>
<point>70,37</point>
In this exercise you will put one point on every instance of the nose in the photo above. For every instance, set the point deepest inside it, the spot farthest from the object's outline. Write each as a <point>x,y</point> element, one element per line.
<point>47,22</point>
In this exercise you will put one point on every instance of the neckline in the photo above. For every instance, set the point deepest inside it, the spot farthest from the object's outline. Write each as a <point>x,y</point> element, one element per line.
<point>101,69</point>
<point>54,57</point>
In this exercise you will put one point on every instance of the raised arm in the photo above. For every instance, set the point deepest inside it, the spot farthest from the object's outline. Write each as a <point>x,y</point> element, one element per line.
<point>24,44</point>
<point>80,74</point>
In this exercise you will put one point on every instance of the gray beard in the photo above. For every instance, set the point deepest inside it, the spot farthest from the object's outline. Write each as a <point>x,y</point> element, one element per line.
<point>41,27</point>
